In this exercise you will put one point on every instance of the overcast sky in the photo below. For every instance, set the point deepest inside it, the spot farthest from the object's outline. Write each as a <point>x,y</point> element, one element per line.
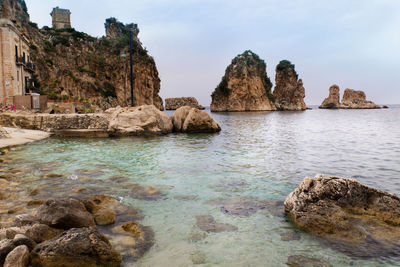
<point>352,43</point>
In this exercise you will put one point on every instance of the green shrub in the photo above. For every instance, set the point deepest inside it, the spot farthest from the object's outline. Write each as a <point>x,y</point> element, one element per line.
<point>109,90</point>
<point>47,46</point>
<point>65,97</point>
<point>33,24</point>
<point>88,71</point>
<point>61,40</point>
<point>223,87</point>
<point>286,65</point>
<point>52,95</point>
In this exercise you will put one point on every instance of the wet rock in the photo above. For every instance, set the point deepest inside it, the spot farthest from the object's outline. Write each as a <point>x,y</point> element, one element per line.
<point>36,202</point>
<point>64,214</point>
<point>101,207</point>
<point>290,236</point>
<point>384,106</point>
<point>231,185</point>
<point>18,257</point>
<point>24,219</point>
<point>90,173</point>
<point>140,120</point>
<point>34,192</point>
<point>353,99</point>
<point>207,223</point>
<point>20,239</point>
<point>303,261</point>
<point>192,120</point>
<point>119,179</point>
<point>41,232</point>
<point>175,103</point>
<point>52,175</point>
<point>143,239</point>
<point>289,92</point>
<point>198,257</point>
<point>76,247</point>
<point>146,192</point>
<point>356,219</point>
<point>244,87</point>
<point>333,100</point>
<point>6,246</point>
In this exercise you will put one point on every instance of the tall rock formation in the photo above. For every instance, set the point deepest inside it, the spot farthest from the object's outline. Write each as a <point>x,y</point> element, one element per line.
<point>289,92</point>
<point>353,99</point>
<point>244,87</point>
<point>333,100</point>
<point>14,10</point>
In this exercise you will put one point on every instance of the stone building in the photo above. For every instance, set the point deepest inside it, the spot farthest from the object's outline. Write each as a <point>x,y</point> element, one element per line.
<point>116,29</point>
<point>61,18</point>
<point>16,68</point>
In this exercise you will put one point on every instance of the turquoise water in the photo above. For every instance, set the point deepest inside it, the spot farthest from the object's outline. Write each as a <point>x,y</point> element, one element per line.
<point>257,156</point>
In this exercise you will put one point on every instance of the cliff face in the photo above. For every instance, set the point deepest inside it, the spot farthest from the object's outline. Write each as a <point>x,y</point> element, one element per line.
<point>289,91</point>
<point>244,87</point>
<point>333,100</point>
<point>353,99</point>
<point>83,67</point>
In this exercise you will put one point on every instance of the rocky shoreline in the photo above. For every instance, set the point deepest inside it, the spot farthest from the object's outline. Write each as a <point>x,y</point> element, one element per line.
<point>15,137</point>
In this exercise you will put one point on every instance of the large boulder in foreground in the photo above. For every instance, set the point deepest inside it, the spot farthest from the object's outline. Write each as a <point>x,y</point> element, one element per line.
<point>244,87</point>
<point>289,92</point>
<point>356,219</point>
<point>141,120</point>
<point>192,120</point>
<point>64,214</point>
<point>75,248</point>
<point>175,103</point>
<point>353,99</point>
<point>333,100</point>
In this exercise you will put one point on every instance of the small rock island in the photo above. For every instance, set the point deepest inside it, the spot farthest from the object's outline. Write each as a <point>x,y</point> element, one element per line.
<point>178,102</point>
<point>352,99</point>
<point>289,92</point>
<point>244,87</point>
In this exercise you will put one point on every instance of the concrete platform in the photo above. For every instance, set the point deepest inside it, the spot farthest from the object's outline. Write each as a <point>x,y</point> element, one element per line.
<point>18,136</point>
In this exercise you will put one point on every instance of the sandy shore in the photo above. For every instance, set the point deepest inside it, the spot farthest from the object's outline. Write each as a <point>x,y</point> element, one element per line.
<point>21,136</point>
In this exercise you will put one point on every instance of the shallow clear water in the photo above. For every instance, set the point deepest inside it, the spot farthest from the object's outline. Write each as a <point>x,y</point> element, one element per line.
<point>262,155</point>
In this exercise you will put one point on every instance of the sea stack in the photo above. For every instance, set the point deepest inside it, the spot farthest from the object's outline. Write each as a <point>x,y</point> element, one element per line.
<point>289,92</point>
<point>333,100</point>
<point>244,87</point>
<point>353,99</point>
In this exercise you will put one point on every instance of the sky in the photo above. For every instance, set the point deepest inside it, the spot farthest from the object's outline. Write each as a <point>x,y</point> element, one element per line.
<point>352,43</point>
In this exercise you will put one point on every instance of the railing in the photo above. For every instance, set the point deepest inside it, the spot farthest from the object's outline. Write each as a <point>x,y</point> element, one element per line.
<point>30,84</point>
<point>20,61</point>
<point>30,67</point>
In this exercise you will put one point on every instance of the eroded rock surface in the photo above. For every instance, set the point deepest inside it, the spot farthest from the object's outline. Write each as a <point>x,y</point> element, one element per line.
<point>76,247</point>
<point>353,99</point>
<point>244,87</point>
<point>289,92</point>
<point>175,103</point>
<point>192,120</point>
<point>64,214</point>
<point>333,100</point>
<point>18,257</point>
<point>207,223</point>
<point>356,219</point>
<point>138,121</point>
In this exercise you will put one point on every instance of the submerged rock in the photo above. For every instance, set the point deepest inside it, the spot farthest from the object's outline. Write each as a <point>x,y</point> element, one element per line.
<point>207,223</point>
<point>138,121</point>
<point>353,99</point>
<point>101,207</point>
<point>356,219</point>
<point>242,206</point>
<point>290,236</point>
<point>65,214</point>
<point>175,103</point>
<point>76,247</point>
<point>333,100</point>
<point>289,92</point>
<point>192,120</point>
<point>146,192</point>
<point>244,87</point>
<point>303,261</point>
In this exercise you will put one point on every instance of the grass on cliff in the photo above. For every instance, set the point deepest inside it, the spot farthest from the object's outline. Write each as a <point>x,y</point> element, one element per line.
<point>286,65</point>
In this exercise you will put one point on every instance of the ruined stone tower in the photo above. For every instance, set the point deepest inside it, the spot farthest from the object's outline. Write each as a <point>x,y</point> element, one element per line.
<point>61,18</point>
<point>116,29</point>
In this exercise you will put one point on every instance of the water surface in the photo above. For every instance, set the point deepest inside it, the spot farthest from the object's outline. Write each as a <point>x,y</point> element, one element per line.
<point>259,156</point>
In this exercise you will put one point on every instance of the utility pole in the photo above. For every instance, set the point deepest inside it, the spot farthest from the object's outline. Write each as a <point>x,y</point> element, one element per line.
<point>131,63</point>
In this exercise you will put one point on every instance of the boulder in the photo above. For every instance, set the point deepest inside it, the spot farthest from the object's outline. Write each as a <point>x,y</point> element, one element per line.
<point>42,232</point>
<point>101,207</point>
<point>192,120</point>
<point>75,248</point>
<point>333,100</point>
<point>64,214</point>
<point>175,103</point>
<point>138,121</point>
<point>353,99</point>
<point>8,245</point>
<point>146,192</point>
<point>18,257</point>
<point>354,218</point>
<point>244,87</point>
<point>289,92</point>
